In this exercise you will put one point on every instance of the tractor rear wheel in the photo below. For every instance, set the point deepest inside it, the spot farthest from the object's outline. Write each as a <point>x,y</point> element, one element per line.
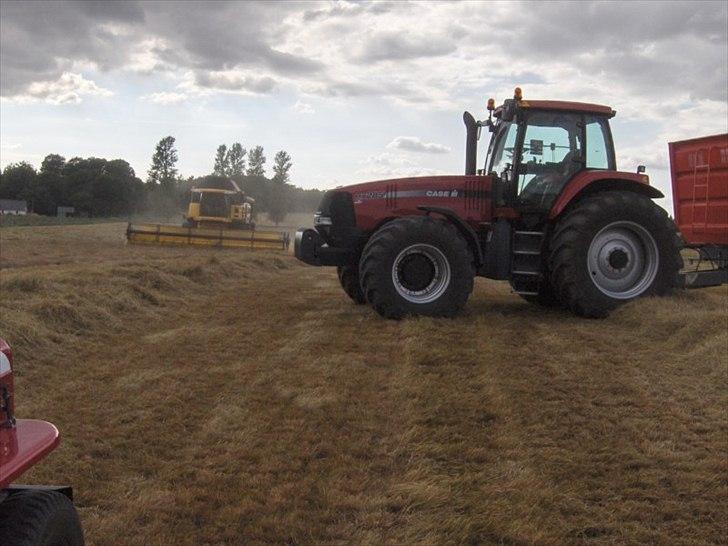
<point>39,518</point>
<point>417,266</point>
<point>612,248</point>
<point>349,279</point>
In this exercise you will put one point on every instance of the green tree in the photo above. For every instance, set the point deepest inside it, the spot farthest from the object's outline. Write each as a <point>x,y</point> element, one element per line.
<point>279,202</point>
<point>236,160</point>
<point>163,172</point>
<point>222,164</point>
<point>18,182</point>
<point>281,165</point>
<point>256,162</point>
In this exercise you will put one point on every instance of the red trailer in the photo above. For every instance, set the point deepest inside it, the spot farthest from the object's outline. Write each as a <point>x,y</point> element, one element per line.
<point>699,169</point>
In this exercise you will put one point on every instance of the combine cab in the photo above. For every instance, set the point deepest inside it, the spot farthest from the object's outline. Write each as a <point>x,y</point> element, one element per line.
<point>215,217</point>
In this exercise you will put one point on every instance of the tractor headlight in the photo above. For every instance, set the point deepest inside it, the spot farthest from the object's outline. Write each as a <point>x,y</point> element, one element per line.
<point>319,220</point>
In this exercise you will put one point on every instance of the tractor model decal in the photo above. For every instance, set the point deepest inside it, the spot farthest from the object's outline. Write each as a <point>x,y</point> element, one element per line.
<point>408,194</point>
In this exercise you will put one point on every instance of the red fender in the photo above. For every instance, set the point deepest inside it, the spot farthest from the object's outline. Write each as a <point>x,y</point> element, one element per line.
<point>593,181</point>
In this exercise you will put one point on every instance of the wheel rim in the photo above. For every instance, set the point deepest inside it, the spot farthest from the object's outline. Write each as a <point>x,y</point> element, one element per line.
<point>421,273</point>
<point>623,260</point>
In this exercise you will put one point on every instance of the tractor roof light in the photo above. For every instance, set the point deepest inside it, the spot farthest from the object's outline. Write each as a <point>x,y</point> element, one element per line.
<point>517,93</point>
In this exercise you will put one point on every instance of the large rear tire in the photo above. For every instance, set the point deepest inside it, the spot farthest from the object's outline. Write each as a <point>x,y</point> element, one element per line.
<point>349,279</point>
<point>611,248</point>
<point>39,518</point>
<point>417,266</point>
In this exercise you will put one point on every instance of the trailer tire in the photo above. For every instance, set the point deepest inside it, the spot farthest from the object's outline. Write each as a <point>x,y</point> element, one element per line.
<point>349,279</point>
<point>611,248</point>
<point>39,518</point>
<point>417,266</point>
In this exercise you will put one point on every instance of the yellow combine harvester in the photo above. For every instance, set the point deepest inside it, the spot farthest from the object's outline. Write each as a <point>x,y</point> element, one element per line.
<point>215,217</point>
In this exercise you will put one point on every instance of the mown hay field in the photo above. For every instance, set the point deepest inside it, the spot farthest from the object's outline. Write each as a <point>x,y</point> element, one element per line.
<point>231,397</point>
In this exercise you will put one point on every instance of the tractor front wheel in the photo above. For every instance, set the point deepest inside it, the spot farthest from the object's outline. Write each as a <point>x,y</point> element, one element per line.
<point>417,266</point>
<point>612,248</point>
<point>39,518</point>
<point>349,279</point>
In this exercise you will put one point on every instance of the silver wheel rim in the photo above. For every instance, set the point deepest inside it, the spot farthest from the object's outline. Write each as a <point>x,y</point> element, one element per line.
<point>436,275</point>
<point>623,260</point>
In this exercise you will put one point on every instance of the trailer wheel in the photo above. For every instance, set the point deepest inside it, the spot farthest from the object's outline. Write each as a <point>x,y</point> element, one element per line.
<point>417,266</point>
<point>611,248</point>
<point>39,518</point>
<point>349,279</point>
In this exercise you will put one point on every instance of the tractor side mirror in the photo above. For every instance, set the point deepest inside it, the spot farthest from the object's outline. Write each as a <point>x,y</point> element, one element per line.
<point>641,169</point>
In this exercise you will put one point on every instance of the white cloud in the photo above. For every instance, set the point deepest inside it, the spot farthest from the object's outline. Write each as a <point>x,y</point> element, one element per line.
<point>414,144</point>
<point>392,165</point>
<point>68,89</point>
<point>165,97</point>
<point>303,107</point>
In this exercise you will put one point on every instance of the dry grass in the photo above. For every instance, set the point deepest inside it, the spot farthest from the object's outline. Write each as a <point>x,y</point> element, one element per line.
<point>239,398</point>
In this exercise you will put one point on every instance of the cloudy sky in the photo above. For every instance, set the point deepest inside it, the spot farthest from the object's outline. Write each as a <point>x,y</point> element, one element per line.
<point>353,90</point>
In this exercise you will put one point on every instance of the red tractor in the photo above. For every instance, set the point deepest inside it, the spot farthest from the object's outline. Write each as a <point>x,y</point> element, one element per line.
<point>549,212</point>
<point>30,515</point>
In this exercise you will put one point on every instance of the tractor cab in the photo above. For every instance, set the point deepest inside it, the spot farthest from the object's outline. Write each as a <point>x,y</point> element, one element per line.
<point>538,146</point>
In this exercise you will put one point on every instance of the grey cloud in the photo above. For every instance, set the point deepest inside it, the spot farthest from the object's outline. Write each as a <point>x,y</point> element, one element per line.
<point>350,9</point>
<point>39,41</point>
<point>396,46</point>
<point>652,46</point>
<point>414,144</point>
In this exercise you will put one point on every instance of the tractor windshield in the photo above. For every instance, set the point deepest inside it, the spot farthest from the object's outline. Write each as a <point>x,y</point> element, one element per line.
<point>502,146</point>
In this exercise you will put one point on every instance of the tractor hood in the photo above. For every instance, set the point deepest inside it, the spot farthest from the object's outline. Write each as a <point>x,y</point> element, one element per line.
<point>367,205</point>
<point>423,187</point>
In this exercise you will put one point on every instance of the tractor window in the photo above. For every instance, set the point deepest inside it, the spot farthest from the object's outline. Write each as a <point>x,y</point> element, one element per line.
<point>552,146</point>
<point>505,142</point>
<point>597,150</point>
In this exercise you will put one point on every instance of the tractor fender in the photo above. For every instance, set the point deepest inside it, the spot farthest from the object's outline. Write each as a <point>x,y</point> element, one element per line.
<point>462,226</point>
<point>590,182</point>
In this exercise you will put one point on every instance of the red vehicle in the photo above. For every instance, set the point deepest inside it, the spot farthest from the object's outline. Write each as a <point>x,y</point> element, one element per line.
<point>30,515</point>
<point>549,212</point>
<point>699,169</point>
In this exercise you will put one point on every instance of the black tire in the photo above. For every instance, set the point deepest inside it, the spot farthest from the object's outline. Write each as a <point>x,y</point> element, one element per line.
<point>453,274</point>
<point>349,279</point>
<point>575,277</point>
<point>39,518</point>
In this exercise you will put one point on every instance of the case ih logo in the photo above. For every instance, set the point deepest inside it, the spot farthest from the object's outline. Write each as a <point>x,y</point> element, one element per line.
<point>441,193</point>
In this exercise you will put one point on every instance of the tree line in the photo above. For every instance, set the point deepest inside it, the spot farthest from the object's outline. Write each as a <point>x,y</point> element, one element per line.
<point>101,187</point>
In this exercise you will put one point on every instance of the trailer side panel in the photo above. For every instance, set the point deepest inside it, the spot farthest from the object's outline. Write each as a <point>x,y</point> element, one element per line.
<point>699,169</point>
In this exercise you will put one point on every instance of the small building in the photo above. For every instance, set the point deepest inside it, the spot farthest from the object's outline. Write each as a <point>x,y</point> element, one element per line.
<point>13,206</point>
<point>65,212</point>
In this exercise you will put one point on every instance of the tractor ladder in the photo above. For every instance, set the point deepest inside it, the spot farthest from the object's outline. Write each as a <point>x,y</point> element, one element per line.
<point>526,263</point>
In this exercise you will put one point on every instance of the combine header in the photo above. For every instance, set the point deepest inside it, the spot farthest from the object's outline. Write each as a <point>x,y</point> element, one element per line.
<point>158,234</point>
<point>215,218</point>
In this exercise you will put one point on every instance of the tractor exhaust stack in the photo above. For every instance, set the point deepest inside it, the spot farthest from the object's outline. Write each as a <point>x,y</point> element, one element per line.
<point>471,143</point>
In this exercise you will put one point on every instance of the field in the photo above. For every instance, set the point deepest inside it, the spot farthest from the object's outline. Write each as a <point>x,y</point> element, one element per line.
<point>223,397</point>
